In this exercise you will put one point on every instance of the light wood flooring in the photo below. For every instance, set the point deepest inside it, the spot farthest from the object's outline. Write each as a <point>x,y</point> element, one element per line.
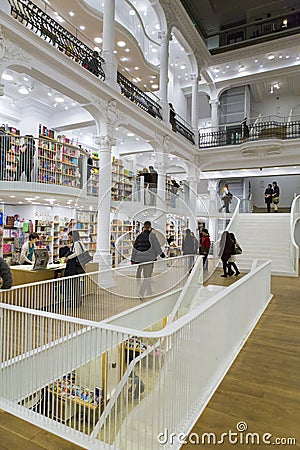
<point>262,387</point>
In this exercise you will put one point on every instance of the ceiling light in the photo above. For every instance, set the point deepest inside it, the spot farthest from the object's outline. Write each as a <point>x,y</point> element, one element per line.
<point>182,66</point>
<point>227,67</point>
<point>280,56</point>
<point>241,69</point>
<point>115,52</point>
<point>157,26</point>
<point>98,40</point>
<point>23,90</point>
<point>130,134</point>
<point>121,44</point>
<point>25,78</point>
<point>132,12</point>
<point>123,58</point>
<point>82,27</point>
<point>71,13</point>
<point>137,68</point>
<point>260,65</point>
<point>73,103</point>
<point>287,56</point>
<point>154,86</point>
<point>271,56</point>
<point>7,77</point>
<point>256,60</point>
<point>29,199</point>
<point>154,50</point>
<point>151,81</point>
<point>66,107</point>
<point>12,196</point>
<point>127,50</point>
<point>59,99</point>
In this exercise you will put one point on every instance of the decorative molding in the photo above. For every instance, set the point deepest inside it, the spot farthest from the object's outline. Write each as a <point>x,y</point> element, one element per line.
<point>105,142</point>
<point>177,17</point>
<point>113,116</point>
<point>10,51</point>
<point>261,151</point>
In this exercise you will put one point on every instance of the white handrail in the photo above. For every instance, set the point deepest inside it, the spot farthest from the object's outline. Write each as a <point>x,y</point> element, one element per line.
<point>294,251</point>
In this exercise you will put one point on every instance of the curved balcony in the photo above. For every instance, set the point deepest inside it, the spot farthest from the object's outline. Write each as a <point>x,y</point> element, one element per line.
<point>236,134</point>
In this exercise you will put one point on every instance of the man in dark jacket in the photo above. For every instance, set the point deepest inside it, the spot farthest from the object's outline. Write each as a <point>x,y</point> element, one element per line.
<point>146,248</point>
<point>276,193</point>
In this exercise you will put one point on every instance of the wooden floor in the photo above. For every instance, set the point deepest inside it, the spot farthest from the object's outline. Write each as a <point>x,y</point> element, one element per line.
<point>262,388</point>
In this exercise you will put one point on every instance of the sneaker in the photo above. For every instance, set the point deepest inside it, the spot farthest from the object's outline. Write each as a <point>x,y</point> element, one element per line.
<point>224,275</point>
<point>237,273</point>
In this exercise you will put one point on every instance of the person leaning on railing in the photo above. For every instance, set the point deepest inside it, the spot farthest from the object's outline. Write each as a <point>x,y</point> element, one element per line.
<point>92,63</point>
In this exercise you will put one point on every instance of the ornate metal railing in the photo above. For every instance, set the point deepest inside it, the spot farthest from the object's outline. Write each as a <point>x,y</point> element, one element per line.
<point>234,135</point>
<point>138,97</point>
<point>182,129</point>
<point>41,23</point>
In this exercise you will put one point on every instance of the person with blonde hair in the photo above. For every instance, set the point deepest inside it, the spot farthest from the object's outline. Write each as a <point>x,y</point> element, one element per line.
<point>226,198</point>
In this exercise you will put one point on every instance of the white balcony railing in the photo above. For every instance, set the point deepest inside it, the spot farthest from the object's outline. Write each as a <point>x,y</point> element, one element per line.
<point>105,386</point>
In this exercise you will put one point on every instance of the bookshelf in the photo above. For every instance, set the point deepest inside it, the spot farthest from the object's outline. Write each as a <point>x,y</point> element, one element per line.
<point>121,181</point>
<point>11,149</point>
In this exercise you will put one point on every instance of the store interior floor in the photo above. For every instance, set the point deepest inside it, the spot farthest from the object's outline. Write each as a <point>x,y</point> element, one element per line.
<point>262,387</point>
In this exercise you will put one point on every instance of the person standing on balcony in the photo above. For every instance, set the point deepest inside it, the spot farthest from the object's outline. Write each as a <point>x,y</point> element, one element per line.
<point>276,193</point>
<point>25,162</point>
<point>153,185</point>
<point>269,197</point>
<point>92,63</point>
<point>227,197</point>
<point>172,117</point>
<point>245,129</point>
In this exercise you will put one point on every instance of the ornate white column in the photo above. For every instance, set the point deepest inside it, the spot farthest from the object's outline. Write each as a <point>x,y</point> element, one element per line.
<point>214,114</point>
<point>164,38</point>
<point>192,180</point>
<point>213,209</point>
<point>110,65</point>
<point>102,255</point>
<point>195,81</point>
<point>160,161</point>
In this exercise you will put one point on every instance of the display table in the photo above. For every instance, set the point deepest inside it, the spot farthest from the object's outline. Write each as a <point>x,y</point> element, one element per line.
<point>69,400</point>
<point>24,274</point>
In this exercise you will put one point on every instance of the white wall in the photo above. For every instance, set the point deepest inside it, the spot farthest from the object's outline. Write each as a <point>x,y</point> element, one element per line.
<point>288,186</point>
<point>177,97</point>
<point>273,106</point>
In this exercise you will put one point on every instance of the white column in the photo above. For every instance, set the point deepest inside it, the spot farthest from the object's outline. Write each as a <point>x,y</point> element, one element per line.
<point>110,65</point>
<point>161,192</point>
<point>193,202</point>
<point>163,36</point>
<point>102,255</point>
<point>214,114</point>
<point>195,82</point>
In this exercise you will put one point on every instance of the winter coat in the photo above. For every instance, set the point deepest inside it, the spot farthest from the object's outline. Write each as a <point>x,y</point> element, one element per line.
<point>189,245</point>
<point>5,274</point>
<point>145,248</point>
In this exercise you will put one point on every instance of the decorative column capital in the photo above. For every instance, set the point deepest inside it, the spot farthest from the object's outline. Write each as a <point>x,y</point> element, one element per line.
<point>195,78</point>
<point>164,36</point>
<point>105,142</point>
<point>214,102</point>
<point>10,51</point>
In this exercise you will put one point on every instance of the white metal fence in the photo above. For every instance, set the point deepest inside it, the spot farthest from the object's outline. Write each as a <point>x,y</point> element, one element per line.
<point>104,386</point>
<point>85,296</point>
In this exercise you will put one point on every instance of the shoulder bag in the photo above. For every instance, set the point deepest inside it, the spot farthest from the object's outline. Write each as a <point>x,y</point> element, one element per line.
<point>84,257</point>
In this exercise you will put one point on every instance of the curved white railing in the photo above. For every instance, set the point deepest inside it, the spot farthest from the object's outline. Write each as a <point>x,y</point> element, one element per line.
<point>294,249</point>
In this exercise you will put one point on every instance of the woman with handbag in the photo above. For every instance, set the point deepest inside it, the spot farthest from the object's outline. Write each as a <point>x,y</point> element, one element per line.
<point>232,260</point>
<point>74,267</point>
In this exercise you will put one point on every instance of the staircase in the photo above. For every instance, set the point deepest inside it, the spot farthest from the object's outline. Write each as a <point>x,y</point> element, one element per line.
<point>265,236</point>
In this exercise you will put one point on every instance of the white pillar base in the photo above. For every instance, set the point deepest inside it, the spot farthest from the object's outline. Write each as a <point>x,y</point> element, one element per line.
<point>105,276</point>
